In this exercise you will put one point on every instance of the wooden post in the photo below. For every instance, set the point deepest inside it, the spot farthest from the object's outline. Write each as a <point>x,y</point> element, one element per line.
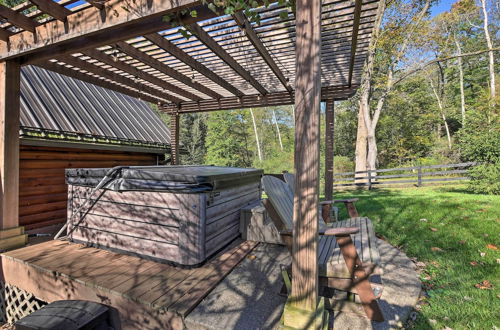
<point>329,143</point>
<point>304,296</point>
<point>174,140</point>
<point>11,235</point>
<point>419,182</point>
<point>369,172</point>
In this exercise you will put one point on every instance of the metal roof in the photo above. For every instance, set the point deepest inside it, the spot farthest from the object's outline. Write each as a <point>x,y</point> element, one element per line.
<point>53,102</point>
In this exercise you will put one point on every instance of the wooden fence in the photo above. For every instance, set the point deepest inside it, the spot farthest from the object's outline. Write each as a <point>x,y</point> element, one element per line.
<point>416,175</point>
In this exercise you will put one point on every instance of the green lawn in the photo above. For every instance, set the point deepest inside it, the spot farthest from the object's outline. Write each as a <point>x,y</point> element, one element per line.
<point>455,235</point>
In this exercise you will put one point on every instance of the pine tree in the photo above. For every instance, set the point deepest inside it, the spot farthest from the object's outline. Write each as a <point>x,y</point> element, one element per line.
<point>192,137</point>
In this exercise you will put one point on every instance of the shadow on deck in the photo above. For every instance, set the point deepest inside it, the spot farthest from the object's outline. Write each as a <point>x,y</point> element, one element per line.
<point>145,294</point>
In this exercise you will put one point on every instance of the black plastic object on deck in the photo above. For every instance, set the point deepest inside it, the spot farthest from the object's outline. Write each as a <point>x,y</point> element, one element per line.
<point>185,179</point>
<point>67,315</point>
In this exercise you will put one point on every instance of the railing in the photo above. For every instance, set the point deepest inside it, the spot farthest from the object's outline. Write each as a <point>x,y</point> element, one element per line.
<point>416,175</point>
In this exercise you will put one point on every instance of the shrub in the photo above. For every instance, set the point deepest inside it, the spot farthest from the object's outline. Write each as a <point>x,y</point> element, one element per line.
<point>479,143</point>
<point>342,164</point>
<point>485,178</point>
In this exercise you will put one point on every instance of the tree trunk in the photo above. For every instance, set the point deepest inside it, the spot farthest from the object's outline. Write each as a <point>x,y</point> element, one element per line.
<point>371,160</point>
<point>364,102</point>
<point>461,80</point>
<point>490,53</point>
<point>259,152</point>
<point>443,116</point>
<point>361,146</point>
<point>278,129</point>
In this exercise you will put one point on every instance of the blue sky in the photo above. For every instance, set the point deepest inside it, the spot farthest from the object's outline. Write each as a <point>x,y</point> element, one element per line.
<point>442,6</point>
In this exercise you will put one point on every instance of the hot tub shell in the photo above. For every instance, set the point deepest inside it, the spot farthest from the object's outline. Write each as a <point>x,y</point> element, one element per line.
<point>180,214</point>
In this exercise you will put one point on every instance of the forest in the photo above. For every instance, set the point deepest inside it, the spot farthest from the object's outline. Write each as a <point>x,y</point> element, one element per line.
<point>428,96</point>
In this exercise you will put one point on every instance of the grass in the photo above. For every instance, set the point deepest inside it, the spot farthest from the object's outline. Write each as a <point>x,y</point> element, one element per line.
<point>454,235</point>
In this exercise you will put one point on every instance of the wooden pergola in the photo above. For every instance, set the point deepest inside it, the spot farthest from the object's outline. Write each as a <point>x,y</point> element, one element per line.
<point>316,54</point>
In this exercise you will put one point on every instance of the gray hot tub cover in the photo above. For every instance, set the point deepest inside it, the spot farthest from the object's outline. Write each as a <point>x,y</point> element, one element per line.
<point>184,179</point>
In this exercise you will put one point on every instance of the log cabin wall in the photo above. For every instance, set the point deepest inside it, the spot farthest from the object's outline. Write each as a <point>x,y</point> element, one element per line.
<point>43,193</point>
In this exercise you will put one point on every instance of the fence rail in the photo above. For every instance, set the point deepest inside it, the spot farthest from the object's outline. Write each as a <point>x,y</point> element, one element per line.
<point>418,175</point>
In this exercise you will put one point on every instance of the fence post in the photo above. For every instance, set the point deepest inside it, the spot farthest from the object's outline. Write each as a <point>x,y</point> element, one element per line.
<point>419,183</point>
<point>369,180</point>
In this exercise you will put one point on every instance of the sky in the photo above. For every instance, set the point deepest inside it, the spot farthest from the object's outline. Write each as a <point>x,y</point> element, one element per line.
<point>442,6</point>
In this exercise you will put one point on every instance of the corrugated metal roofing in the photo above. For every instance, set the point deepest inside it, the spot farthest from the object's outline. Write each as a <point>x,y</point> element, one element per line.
<point>55,102</point>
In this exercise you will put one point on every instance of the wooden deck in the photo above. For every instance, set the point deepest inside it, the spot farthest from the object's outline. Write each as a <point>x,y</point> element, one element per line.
<point>146,294</point>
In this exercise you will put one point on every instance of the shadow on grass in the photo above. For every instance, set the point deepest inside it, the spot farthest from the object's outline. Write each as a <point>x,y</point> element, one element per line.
<point>448,229</point>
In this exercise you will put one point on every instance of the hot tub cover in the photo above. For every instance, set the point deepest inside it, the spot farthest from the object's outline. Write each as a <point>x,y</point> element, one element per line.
<point>185,179</point>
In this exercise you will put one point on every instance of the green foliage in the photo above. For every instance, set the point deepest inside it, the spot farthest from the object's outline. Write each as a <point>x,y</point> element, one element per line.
<point>343,164</point>
<point>485,179</point>
<point>192,138</point>
<point>479,141</point>
<point>227,139</point>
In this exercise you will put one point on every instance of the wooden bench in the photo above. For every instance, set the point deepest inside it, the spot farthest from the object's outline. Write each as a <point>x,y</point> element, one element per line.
<point>346,262</point>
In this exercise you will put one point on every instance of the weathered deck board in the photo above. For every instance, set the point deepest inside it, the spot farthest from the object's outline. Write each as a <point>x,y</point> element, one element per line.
<point>147,294</point>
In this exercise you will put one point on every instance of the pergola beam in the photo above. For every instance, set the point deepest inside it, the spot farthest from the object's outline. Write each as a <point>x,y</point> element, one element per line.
<point>261,49</point>
<point>5,34</point>
<point>99,4</point>
<point>121,65</point>
<point>354,42</point>
<point>174,138</point>
<point>184,57</point>
<point>18,20</point>
<point>255,101</point>
<point>11,235</point>
<point>329,146</point>
<point>61,69</point>
<point>113,76</point>
<point>217,49</point>
<point>91,28</point>
<point>52,8</point>
<point>164,68</point>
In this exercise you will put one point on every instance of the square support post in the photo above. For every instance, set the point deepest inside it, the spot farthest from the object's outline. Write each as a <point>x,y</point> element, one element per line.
<point>329,144</point>
<point>11,235</point>
<point>304,295</point>
<point>174,140</point>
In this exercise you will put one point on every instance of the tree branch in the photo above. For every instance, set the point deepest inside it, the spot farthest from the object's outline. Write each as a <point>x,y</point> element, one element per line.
<point>442,59</point>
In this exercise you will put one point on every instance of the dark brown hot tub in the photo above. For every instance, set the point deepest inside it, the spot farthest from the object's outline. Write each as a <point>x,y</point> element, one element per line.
<point>181,214</point>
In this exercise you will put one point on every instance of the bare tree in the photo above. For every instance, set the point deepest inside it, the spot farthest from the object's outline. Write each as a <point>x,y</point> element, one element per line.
<point>370,116</point>
<point>257,141</point>
<point>491,57</point>
<point>461,78</point>
<point>278,129</point>
<point>439,94</point>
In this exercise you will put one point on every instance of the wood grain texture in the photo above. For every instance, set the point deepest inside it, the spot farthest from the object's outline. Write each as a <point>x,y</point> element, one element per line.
<point>178,53</point>
<point>191,227</point>
<point>174,138</point>
<point>307,111</point>
<point>147,295</point>
<point>329,146</point>
<point>9,143</point>
<point>43,191</point>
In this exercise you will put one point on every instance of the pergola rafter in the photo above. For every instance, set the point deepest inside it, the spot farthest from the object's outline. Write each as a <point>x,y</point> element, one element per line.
<point>178,53</point>
<point>137,73</point>
<point>259,46</point>
<point>52,8</point>
<point>228,62</point>
<point>93,79</point>
<point>205,38</point>
<point>91,67</point>
<point>165,69</point>
<point>17,19</point>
